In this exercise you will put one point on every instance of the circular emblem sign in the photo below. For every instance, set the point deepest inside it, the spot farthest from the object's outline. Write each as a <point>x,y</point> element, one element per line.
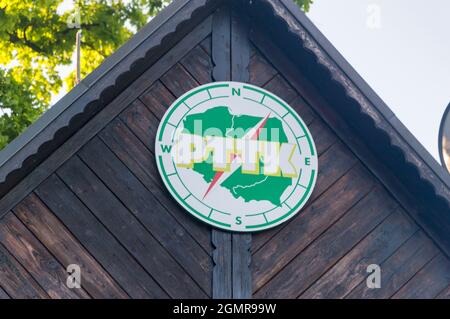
<point>236,156</point>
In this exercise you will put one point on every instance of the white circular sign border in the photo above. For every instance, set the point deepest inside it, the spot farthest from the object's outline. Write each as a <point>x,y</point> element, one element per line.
<point>252,228</point>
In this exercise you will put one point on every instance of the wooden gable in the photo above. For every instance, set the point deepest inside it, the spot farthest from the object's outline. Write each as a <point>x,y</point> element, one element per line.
<point>98,201</point>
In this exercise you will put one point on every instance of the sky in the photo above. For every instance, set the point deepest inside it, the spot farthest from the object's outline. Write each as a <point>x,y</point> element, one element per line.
<point>400,47</point>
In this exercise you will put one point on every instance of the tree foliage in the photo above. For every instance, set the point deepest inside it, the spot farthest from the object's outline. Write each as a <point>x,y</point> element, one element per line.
<point>304,4</point>
<point>36,39</point>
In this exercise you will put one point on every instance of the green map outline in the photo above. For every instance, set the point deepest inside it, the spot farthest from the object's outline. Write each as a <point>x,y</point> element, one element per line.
<point>249,187</point>
<point>193,211</point>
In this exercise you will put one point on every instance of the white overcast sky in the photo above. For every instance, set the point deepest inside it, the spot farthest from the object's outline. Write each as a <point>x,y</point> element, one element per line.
<point>400,47</point>
<point>404,54</point>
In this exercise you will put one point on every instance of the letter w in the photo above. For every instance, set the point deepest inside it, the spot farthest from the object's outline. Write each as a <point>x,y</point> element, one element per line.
<point>166,148</point>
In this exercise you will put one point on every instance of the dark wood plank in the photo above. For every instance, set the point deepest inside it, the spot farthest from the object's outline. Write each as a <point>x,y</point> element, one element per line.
<point>331,116</point>
<point>132,234</point>
<point>252,50</point>
<point>222,282</point>
<point>61,243</point>
<point>97,240</point>
<point>178,80</point>
<point>199,64</point>
<point>309,224</point>
<point>149,211</point>
<point>326,250</point>
<point>131,151</point>
<point>374,249</point>
<point>333,164</point>
<point>16,281</point>
<point>303,109</point>
<point>206,45</point>
<point>158,99</point>
<point>241,243</point>
<point>108,113</point>
<point>102,85</point>
<point>221,44</point>
<point>281,88</point>
<point>399,268</point>
<point>222,241</point>
<point>323,136</point>
<point>44,268</point>
<point>240,46</point>
<point>260,70</point>
<point>3,294</point>
<point>429,281</point>
<point>444,294</point>
<point>142,122</point>
<point>241,272</point>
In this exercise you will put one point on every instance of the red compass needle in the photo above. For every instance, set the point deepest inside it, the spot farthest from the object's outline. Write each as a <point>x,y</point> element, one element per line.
<point>252,134</point>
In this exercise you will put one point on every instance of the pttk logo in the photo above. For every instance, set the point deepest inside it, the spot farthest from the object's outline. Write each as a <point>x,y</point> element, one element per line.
<point>236,156</point>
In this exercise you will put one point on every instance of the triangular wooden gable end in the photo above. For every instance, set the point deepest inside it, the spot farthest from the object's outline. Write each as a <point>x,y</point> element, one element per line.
<point>81,186</point>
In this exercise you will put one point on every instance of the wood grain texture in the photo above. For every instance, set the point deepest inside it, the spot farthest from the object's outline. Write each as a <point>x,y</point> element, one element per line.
<point>260,70</point>
<point>149,211</point>
<point>16,281</point>
<point>199,64</point>
<point>132,152</point>
<point>125,98</point>
<point>399,268</point>
<point>206,45</point>
<point>109,211</point>
<point>178,80</point>
<point>221,44</point>
<point>444,294</point>
<point>241,261</point>
<point>222,279</point>
<point>131,233</point>
<point>141,121</point>
<point>158,99</point>
<point>429,281</point>
<point>309,224</point>
<point>333,164</point>
<point>36,259</point>
<point>240,243</point>
<point>280,87</point>
<point>61,243</point>
<point>313,97</point>
<point>240,46</point>
<point>3,294</point>
<point>303,109</point>
<point>313,262</point>
<point>222,241</point>
<point>169,28</point>
<point>98,240</point>
<point>374,249</point>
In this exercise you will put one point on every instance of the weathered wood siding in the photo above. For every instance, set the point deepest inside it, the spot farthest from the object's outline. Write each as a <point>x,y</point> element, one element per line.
<point>106,209</point>
<point>350,222</point>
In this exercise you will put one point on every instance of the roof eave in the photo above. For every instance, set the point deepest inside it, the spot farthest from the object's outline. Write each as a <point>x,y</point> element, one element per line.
<point>57,124</point>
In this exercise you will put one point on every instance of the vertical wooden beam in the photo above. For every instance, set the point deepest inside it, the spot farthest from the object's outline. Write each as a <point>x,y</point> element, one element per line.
<point>221,44</point>
<point>222,277</point>
<point>231,57</point>
<point>222,286</point>
<point>240,46</point>
<point>241,243</point>
<point>241,273</point>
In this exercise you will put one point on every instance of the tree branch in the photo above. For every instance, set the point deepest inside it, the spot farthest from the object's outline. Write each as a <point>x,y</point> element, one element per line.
<point>15,39</point>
